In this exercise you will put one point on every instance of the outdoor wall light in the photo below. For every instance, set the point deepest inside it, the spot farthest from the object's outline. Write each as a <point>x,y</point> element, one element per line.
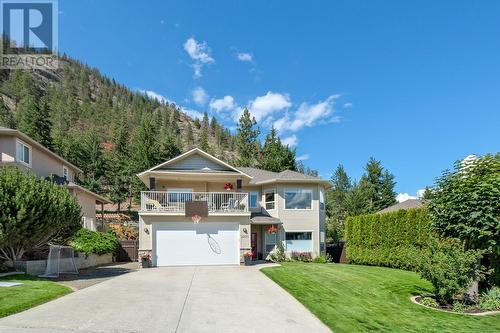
<point>146,230</point>
<point>245,230</point>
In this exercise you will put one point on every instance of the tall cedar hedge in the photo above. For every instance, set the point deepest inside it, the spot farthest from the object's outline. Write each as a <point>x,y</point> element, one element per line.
<point>396,239</point>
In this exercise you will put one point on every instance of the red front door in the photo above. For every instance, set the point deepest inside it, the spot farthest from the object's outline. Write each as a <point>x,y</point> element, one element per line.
<point>253,245</point>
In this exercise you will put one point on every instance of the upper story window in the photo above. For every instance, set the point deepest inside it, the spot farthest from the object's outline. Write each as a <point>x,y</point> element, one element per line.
<point>23,153</point>
<point>254,199</point>
<point>322,199</point>
<point>269,199</point>
<point>65,173</point>
<point>298,199</point>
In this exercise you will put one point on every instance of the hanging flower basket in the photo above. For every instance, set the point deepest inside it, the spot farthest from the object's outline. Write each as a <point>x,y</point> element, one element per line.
<point>228,187</point>
<point>272,230</point>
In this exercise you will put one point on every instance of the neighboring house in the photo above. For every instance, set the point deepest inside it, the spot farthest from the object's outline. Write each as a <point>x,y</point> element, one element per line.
<point>18,149</point>
<point>407,204</point>
<point>238,208</point>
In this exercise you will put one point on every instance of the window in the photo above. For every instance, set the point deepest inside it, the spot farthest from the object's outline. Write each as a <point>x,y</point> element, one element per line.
<point>65,173</point>
<point>298,241</point>
<point>298,199</point>
<point>253,197</point>
<point>269,198</point>
<point>270,241</point>
<point>322,199</point>
<point>23,153</point>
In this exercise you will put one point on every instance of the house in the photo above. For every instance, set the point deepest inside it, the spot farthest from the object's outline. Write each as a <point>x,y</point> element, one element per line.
<point>19,150</point>
<point>407,204</point>
<point>199,210</point>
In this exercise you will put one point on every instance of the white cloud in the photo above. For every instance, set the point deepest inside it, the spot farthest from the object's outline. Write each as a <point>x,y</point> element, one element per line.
<point>303,157</point>
<point>222,104</point>
<point>245,57</point>
<point>308,115</point>
<point>200,53</point>
<point>348,105</point>
<point>154,95</point>
<point>290,141</point>
<point>200,96</point>
<point>420,193</point>
<point>263,106</point>
<point>192,113</point>
<point>404,196</point>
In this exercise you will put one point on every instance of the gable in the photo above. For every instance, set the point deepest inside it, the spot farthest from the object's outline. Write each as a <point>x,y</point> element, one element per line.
<point>195,162</point>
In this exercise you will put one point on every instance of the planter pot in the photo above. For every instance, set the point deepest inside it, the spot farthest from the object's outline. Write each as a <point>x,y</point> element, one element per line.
<point>248,261</point>
<point>145,264</point>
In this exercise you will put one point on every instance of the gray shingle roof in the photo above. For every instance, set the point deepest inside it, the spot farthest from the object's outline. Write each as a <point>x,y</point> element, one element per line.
<point>408,204</point>
<point>262,176</point>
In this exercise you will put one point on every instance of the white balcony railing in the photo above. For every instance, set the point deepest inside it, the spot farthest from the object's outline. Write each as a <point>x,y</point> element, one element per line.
<point>175,202</point>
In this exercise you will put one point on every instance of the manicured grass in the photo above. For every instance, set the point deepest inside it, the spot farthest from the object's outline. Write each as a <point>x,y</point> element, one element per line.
<point>34,291</point>
<point>352,298</point>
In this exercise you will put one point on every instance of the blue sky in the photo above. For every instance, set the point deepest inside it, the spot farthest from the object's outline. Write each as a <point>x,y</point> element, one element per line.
<point>414,84</point>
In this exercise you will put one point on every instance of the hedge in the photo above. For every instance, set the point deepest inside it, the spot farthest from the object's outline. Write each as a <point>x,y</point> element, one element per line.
<point>396,239</point>
<point>88,242</point>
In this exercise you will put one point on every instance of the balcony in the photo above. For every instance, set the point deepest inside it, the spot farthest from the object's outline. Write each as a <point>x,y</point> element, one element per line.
<point>174,203</point>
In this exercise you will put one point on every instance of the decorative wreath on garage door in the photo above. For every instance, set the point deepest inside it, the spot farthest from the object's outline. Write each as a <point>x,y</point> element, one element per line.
<point>196,218</point>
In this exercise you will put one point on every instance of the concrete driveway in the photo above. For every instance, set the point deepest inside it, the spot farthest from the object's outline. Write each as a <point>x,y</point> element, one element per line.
<point>173,299</point>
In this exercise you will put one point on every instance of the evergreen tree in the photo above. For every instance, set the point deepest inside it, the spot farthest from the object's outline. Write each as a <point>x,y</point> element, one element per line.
<point>204,144</point>
<point>247,145</point>
<point>387,194</point>
<point>6,117</point>
<point>189,135</point>
<point>337,195</point>
<point>275,156</point>
<point>33,120</point>
<point>377,185</point>
<point>92,162</point>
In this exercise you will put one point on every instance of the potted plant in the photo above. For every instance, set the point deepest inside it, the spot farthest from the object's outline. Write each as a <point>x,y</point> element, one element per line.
<point>146,260</point>
<point>272,230</point>
<point>247,256</point>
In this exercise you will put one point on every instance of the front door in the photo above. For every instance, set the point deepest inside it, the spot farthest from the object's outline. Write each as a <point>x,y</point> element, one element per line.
<point>253,245</point>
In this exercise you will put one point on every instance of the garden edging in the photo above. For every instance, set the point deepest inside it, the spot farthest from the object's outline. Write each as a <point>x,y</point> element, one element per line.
<point>486,313</point>
<point>37,267</point>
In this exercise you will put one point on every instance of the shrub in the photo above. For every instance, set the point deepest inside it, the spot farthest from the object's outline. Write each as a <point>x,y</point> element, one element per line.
<point>278,254</point>
<point>320,259</point>
<point>429,301</point>
<point>450,270</point>
<point>88,242</point>
<point>396,239</point>
<point>301,256</point>
<point>490,300</point>
<point>465,205</point>
<point>33,212</point>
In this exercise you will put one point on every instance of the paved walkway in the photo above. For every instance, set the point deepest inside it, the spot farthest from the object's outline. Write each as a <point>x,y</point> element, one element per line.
<point>176,299</point>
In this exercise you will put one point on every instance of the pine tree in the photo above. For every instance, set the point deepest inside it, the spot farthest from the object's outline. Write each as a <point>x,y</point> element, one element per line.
<point>33,120</point>
<point>6,117</point>
<point>189,135</point>
<point>377,185</point>
<point>387,194</point>
<point>93,162</point>
<point>247,144</point>
<point>275,156</point>
<point>337,195</point>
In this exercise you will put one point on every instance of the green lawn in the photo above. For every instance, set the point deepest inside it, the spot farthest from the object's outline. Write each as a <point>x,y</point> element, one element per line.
<point>352,298</point>
<point>34,291</point>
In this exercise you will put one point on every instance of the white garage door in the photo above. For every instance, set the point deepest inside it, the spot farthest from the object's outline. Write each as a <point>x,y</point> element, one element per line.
<point>185,243</point>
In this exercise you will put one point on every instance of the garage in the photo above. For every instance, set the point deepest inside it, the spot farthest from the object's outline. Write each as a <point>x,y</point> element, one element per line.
<point>205,243</point>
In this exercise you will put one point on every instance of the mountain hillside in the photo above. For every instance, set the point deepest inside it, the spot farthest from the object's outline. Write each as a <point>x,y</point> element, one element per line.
<point>103,127</point>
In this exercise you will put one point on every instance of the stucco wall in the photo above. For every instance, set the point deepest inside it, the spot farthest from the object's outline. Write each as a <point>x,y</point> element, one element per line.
<point>87,203</point>
<point>42,164</point>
